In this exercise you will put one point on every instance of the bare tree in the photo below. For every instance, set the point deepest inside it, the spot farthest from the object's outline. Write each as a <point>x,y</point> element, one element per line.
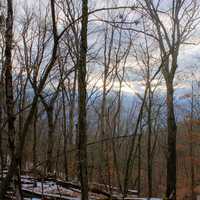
<point>82,123</point>
<point>9,94</point>
<point>17,154</point>
<point>169,43</point>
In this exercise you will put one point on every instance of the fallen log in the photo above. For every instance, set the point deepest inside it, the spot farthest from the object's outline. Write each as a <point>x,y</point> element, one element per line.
<point>76,186</point>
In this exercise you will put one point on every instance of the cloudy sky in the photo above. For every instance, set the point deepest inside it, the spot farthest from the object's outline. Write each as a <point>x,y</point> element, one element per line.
<point>189,56</point>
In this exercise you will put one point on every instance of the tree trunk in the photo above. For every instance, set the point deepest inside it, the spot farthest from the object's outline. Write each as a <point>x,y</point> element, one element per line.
<point>34,150</point>
<point>192,171</point>
<point>12,173</point>
<point>10,98</point>
<point>129,163</point>
<point>71,112</point>
<point>82,118</point>
<point>149,156</point>
<point>8,77</point>
<point>1,131</point>
<point>65,137</point>
<point>171,156</point>
<point>139,164</point>
<point>1,114</point>
<point>16,160</point>
<point>50,140</point>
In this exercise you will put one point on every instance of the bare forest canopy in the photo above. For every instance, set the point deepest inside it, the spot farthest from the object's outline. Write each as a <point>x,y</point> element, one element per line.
<point>99,99</point>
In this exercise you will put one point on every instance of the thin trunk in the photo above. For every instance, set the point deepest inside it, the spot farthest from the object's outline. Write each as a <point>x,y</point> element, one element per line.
<point>57,160</point>
<point>71,119</point>
<point>139,164</point>
<point>171,157</point>
<point>192,173</point>
<point>103,124</point>
<point>71,112</point>
<point>129,163</point>
<point>116,164</point>
<point>116,128</point>
<point>34,148</point>
<point>103,106</point>
<point>65,136</point>
<point>82,118</point>
<point>50,141</point>
<point>103,145</point>
<point>149,156</point>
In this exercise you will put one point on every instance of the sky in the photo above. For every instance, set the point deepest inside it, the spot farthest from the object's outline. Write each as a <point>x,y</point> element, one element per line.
<point>188,59</point>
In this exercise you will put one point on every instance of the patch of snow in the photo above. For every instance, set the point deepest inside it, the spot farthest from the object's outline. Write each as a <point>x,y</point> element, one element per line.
<point>147,199</point>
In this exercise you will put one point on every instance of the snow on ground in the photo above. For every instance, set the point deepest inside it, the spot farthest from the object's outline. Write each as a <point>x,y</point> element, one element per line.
<point>38,188</point>
<point>31,199</point>
<point>147,199</point>
<point>53,190</point>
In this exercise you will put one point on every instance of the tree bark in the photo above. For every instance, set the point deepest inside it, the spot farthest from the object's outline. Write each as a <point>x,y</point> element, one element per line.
<point>1,123</point>
<point>10,99</point>
<point>65,136</point>
<point>82,118</point>
<point>72,106</point>
<point>50,140</point>
<point>149,146</point>
<point>2,93</point>
<point>34,149</point>
<point>139,162</point>
<point>192,170</point>
<point>172,130</point>
<point>15,162</point>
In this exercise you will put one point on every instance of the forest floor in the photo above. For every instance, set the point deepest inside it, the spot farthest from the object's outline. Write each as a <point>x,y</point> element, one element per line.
<point>54,189</point>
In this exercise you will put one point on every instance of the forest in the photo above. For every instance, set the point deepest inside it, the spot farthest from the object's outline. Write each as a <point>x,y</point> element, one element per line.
<point>100,100</point>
